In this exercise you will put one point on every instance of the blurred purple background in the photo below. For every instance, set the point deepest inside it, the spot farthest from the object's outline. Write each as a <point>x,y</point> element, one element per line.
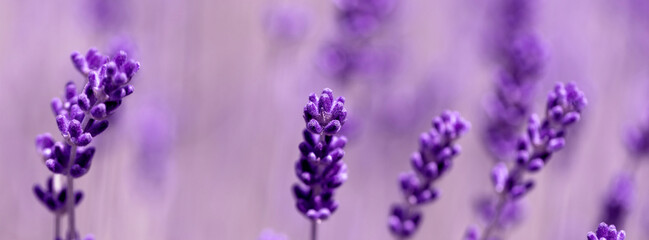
<point>205,148</point>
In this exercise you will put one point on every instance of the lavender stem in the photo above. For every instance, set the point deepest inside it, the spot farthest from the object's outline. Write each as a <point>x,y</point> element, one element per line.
<point>57,226</point>
<point>491,225</point>
<point>70,200</point>
<point>314,230</point>
<point>72,232</point>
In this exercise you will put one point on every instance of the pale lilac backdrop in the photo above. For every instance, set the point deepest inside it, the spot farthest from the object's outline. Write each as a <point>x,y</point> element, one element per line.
<point>205,147</point>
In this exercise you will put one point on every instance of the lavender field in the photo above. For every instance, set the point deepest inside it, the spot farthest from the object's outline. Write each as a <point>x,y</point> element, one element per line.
<point>324,119</point>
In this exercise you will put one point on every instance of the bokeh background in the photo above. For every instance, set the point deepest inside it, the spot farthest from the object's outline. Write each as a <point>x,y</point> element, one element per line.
<point>205,147</point>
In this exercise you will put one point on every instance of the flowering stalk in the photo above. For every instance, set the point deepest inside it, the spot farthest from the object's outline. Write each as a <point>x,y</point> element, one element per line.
<point>80,117</point>
<point>320,167</point>
<point>521,58</point>
<point>437,149</point>
<point>352,52</point>
<point>534,150</point>
<point>606,232</point>
<point>620,197</point>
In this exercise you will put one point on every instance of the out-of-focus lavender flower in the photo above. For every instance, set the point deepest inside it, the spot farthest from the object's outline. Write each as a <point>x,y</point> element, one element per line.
<point>362,17</point>
<point>286,24</point>
<point>54,195</point>
<point>521,58</point>
<point>156,135</point>
<point>606,232</point>
<point>271,235</point>
<point>510,105</point>
<point>82,116</point>
<point>320,167</point>
<point>637,140</point>
<point>512,213</point>
<point>107,14</point>
<point>619,199</point>
<point>437,148</point>
<point>352,52</point>
<point>122,43</point>
<point>535,148</point>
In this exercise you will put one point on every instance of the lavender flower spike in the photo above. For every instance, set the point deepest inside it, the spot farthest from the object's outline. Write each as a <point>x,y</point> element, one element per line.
<point>320,167</point>
<point>606,232</point>
<point>80,117</point>
<point>619,199</point>
<point>437,149</point>
<point>534,150</point>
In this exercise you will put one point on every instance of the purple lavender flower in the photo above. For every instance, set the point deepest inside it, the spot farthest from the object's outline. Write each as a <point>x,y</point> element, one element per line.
<point>286,24</point>
<point>606,232</point>
<point>320,167</point>
<point>619,199</point>
<point>82,116</point>
<point>534,150</point>
<point>437,149</point>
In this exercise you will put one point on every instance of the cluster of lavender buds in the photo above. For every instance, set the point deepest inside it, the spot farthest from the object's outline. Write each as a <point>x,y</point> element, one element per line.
<point>320,167</point>
<point>437,148</point>
<point>80,117</point>
<point>351,53</point>
<point>534,149</point>
<point>54,195</point>
<point>606,232</point>
<point>521,59</point>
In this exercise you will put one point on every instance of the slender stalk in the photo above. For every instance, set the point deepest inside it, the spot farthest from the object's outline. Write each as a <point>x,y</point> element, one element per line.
<point>57,226</point>
<point>314,230</point>
<point>493,223</point>
<point>72,231</point>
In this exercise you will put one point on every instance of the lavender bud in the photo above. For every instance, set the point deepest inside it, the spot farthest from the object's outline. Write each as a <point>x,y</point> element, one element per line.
<point>130,68</point>
<point>93,80</point>
<point>570,118</point>
<point>83,139</point>
<point>76,113</point>
<point>84,102</point>
<point>62,124</point>
<point>70,90</point>
<point>79,62</point>
<point>120,79</point>
<point>57,106</point>
<point>535,165</point>
<point>74,128</point>
<point>556,144</point>
<point>111,69</point>
<point>98,111</point>
<point>97,127</point>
